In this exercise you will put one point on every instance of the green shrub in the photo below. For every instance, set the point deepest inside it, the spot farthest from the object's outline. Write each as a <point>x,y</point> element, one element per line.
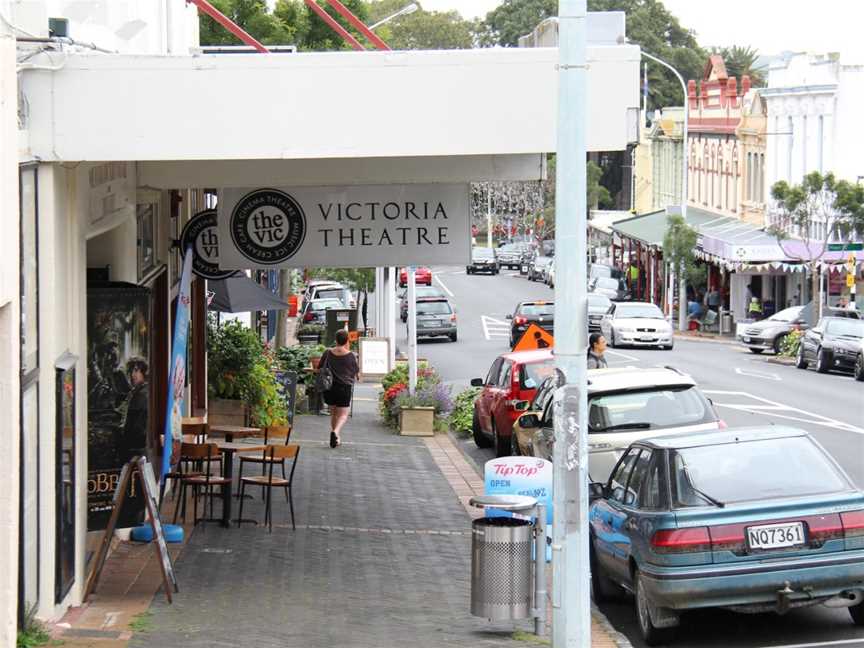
<point>462,416</point>
<point>296,358</point>
<point>394,394</point>
<point>791,342</point>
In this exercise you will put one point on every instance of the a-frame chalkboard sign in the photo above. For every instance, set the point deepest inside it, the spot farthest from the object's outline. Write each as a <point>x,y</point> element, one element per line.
<point>141,469</point>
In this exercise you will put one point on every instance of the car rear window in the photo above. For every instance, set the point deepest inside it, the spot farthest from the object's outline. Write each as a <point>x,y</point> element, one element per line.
<point>847,327</point>
<point>535,310</point>
<point>330,293</point>
<point>650,409</point>
<point>433,308</point>
<point>325,304</point>
<point>638,310</point>
<point>751,470</point>
<point>531,375</point>
<point>608,283</point>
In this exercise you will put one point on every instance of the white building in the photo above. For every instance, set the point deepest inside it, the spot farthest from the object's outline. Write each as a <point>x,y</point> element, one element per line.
<point>117,151</point>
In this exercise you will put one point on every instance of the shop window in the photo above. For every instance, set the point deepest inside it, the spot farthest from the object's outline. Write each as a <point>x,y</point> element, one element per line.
<point>65,476</point>
<point>147,214</point>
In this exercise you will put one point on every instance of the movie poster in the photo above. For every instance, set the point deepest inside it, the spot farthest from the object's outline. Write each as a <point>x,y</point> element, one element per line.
<point>118,410</point>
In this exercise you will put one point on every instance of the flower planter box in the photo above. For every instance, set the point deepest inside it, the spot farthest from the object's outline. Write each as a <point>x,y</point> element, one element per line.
<point>417,421</point>
<point>222,411</point>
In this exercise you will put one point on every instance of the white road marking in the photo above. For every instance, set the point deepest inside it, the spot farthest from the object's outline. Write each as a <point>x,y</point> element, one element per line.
<point>773,408</point>
<point>821,644</point>
<point>757,374</point>
<point>623,355</point>
<point>443,285</point>
<point>494,327</point>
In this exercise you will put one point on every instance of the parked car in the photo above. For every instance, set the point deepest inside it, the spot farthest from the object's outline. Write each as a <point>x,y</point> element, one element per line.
<point>510,255</point>
<point>598,306</point>
<point>550,276</point>
<point>314,284</point>
<point>436,317</point>
<point>834,343</point>
<point>769,333</point>
<point>859,362</point>
<point>625,405</point>
<point>420,292</point>
<point>614,289</point>
<point>483,259</point>
<point>538,267</point>
<point>316,310</point>
<point>513,378</point>
<point>541,313</point>
<point>335,291</point>
<point>597,270</point>
<point>421,276</point>
<point>636,324</point>
<point>752,520</point>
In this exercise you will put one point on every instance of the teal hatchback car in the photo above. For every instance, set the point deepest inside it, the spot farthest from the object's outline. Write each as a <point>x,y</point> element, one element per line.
<point>751,519</point>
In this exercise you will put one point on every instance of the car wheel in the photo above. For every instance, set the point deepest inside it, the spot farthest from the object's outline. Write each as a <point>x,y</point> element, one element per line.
<point>822,365</point>
<point>778,343</point>
<point>454,337</point>
<point>652,635</point>
<point>603,588</point>
<point>755,350</point>
<point>800,360</point>
<point>612,341</point>
<point>467,270</point>
<point>859,367</point>
<point>480,439</point>
<point>502,449</point>
<point>857,614</point>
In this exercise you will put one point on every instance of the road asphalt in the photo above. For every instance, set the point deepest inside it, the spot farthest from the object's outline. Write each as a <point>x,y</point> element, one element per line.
<point>746,389</point>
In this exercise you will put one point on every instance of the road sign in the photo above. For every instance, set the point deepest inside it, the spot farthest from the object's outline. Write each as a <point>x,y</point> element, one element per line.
<point>843,247</point>
<point>534,338</point>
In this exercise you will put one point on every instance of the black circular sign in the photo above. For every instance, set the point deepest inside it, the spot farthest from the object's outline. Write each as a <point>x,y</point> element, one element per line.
<point>202,233</point>
<point>268,226</point>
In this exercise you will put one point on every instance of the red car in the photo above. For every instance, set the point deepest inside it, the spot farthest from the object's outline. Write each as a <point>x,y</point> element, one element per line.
<point>514,377</point>
<point>421,276</point>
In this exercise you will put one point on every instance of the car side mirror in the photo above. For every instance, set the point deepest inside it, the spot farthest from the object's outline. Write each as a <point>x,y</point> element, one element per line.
<point>596,490</point>
<point>521,406</point>
<point>529,421</point>
<point>509,316</point>
<point>476,382</point>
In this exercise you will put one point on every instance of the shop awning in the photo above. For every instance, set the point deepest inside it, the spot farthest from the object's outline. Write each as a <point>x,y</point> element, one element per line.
<point>647,228</point>
<point>239,294</point>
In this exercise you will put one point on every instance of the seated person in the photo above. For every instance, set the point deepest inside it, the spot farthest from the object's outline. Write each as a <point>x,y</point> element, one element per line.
<point>694,309</point>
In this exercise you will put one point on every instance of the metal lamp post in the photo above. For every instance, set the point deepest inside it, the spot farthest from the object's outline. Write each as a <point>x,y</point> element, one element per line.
<point>404,11</point>
<point>682,288</point>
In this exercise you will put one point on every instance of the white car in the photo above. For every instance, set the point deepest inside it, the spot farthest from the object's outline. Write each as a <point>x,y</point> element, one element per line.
<point>625,405</point>
<point>636,324</point>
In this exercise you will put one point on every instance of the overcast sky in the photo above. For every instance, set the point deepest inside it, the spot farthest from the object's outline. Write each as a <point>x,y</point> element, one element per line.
<point>771,26</point>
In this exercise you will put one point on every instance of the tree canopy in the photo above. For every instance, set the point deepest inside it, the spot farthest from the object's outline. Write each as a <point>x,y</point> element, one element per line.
<point>741,61</point>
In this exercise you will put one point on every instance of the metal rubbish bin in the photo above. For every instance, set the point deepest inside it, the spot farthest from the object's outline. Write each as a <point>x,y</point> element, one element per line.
<point>501,583</point>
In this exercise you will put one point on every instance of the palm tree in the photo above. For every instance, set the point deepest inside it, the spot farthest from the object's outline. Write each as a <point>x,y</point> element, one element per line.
<point>741,61</point>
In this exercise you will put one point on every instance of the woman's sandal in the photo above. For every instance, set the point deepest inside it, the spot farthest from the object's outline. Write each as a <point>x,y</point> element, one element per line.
<point>334,440</point>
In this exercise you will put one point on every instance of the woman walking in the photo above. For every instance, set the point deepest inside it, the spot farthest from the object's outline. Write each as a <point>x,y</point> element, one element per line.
<point>596,349</point>
<point>342,363</point>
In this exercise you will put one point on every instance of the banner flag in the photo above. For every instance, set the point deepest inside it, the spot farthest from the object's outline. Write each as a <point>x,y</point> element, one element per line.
<point>177,378</point>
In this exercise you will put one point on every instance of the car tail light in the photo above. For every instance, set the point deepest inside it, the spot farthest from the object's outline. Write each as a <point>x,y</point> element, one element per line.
<point>453,318</point>
<point>853,524</point>
<point>823,528</point>
<point>668,541</point>
<point>727,537</point>
<point>519,320</point>
<point>308,317</point>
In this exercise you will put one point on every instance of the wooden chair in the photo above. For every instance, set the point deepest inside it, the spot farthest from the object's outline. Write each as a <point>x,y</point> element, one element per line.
<point>271,455</point>
<point>270,432</point>
<point>203,454</point>
<point>182,469</point>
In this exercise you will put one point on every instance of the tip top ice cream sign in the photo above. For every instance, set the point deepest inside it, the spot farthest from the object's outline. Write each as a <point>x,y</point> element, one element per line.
<point>356,226</point>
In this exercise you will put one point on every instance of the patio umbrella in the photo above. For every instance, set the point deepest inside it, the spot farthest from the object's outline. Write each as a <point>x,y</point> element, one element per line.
<point>240,294</point>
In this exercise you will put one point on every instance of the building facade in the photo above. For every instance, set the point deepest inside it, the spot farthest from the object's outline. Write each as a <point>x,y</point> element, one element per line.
<point>667,150</point>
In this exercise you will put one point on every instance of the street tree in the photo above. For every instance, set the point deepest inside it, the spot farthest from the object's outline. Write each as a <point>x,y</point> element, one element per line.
<point>253,16</point>
<point>741,61</point>
<point>807,216</point>
<point>679,245</point>
<point>514,18</point>
<point>423,30</point>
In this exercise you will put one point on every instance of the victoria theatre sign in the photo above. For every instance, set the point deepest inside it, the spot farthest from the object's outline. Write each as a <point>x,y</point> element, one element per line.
<point>356,226</point>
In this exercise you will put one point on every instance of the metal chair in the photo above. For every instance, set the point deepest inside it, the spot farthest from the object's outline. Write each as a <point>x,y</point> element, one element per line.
<point>203,455</point>
<point>271,456</point>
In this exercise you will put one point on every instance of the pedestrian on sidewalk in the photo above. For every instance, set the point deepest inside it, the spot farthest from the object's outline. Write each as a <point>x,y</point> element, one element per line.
<point>342,363</point>
<point>596,349</point>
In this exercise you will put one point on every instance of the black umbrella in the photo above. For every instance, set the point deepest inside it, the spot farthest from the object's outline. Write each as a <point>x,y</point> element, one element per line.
<point>240,294</point>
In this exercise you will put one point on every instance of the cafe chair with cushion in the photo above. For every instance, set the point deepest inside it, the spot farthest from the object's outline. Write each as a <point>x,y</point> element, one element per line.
<point>203,454</point>
<point>270,432</point>
<point>272,454</point>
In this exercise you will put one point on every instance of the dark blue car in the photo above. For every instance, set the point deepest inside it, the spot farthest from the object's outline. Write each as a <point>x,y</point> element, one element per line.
<point>751,519</point>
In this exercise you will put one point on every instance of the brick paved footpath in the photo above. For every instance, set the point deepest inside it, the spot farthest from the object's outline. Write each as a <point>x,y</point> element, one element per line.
<point>381,557</point>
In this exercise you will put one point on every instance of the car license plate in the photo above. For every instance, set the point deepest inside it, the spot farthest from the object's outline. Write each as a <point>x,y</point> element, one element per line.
<point>746,339</point>
<point>775,536</point>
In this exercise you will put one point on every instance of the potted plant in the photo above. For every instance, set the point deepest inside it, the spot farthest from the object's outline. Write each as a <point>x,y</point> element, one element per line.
<point>420,413</point>
<point>310,334</point>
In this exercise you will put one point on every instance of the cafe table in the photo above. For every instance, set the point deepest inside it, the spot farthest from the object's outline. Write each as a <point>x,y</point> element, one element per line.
<point>228,449</point>
<point>231,432</point>
<point>193,420</point>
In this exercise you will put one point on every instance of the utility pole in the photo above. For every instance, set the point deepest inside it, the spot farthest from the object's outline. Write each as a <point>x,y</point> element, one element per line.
<point>571,600</point>
<point>489,214</point>
<point>412,330</point>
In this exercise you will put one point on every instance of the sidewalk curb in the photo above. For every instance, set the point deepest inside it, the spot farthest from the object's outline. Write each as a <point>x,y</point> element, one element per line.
<point>620,640</point>
<point>689,337</point>
<point>780,360</point>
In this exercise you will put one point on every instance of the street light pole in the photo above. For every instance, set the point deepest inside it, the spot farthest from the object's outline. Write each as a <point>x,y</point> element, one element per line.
<point>682,288</point>
<point>571,600</point>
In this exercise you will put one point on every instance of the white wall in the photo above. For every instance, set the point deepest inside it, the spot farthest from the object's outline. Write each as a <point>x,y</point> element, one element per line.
<point>10,321</point>
<point>321,105</point>
<point>116,248</point>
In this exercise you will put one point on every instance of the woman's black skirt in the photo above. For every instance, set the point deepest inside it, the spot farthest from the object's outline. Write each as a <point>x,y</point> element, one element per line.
<point>339,395</point>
